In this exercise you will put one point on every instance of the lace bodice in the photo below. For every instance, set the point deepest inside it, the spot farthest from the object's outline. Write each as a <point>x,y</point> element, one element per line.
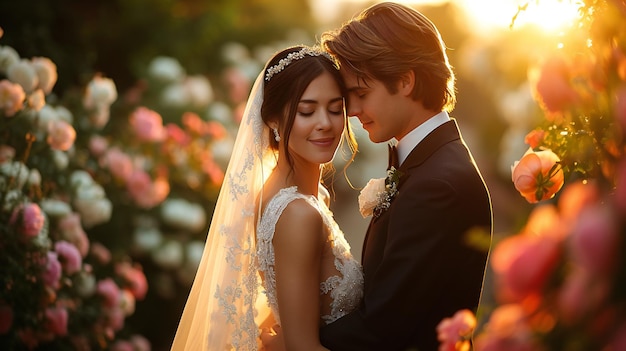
<point>345,289</point>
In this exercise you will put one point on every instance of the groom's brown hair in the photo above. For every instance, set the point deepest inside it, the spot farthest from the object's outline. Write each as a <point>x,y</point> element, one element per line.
<point>387,40</point>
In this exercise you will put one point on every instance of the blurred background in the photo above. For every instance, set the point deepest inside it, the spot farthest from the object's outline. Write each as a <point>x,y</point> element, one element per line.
<point>192,62</point>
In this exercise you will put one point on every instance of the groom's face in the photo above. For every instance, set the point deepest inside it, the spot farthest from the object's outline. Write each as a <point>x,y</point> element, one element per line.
<point>378,110</point>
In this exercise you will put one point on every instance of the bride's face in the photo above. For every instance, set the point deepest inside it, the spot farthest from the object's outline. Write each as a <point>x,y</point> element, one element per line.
<point>319,121</point>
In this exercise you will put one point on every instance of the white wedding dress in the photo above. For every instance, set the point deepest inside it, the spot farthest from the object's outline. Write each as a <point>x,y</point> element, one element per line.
<point>342,289</point>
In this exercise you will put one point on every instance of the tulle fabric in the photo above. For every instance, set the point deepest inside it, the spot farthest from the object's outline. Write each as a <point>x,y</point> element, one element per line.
<point>226,305</point>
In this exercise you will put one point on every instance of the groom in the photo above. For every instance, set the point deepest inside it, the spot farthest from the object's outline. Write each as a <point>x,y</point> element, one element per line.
<point>418,263</point>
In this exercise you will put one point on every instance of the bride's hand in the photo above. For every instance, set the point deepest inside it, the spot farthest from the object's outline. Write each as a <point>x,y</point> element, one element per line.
<point>272,339</point>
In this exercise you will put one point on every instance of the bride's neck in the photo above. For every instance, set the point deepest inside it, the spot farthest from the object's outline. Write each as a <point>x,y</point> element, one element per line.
<point>306,178</point>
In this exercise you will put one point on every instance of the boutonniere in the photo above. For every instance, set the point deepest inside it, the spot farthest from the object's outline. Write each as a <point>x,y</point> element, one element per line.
<point>376,196</point>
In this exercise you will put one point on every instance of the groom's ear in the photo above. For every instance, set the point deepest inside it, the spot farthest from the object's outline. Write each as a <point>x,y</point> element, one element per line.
<point>406,83</point>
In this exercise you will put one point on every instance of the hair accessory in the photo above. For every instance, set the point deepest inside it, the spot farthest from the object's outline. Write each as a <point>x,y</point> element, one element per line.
<point>276,135</point>
<point>294,56</point>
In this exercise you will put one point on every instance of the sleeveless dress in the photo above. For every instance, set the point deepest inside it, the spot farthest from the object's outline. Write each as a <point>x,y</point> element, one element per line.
<point>345,289</point>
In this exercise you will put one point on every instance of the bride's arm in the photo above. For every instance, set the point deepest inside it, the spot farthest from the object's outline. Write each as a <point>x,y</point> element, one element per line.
<point>298,244</point>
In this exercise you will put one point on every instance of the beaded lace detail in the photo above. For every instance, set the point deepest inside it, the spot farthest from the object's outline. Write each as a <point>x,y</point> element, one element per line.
<point>346,289</point>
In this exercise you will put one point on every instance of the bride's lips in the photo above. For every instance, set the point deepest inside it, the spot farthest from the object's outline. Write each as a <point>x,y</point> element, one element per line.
<point>323,141</point>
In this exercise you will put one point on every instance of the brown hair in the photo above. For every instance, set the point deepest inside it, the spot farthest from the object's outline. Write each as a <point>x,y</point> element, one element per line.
<point>284,89</point>
<point>387,40</point>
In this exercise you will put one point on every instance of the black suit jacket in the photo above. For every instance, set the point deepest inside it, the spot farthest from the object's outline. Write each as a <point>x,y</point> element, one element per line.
<point>418,265</point>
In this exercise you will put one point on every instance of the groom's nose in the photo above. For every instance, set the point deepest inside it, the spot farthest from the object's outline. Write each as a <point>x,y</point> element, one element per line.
<point>354,108</point>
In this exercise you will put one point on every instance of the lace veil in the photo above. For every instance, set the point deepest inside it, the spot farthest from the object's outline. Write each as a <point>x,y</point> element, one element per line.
<point>222,306</point>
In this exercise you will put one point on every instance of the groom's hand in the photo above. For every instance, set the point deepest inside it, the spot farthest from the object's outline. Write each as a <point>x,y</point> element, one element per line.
<point>272,339</point>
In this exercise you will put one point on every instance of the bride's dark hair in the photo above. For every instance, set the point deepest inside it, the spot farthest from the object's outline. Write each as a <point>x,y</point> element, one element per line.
<point>284,88</point>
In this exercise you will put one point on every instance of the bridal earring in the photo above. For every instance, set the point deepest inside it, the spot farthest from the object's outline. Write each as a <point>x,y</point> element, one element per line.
<point>276,136</point>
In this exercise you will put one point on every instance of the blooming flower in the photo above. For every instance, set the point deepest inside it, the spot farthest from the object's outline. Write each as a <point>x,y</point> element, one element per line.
<point>24,74</point>
<point>454,332</point>
<point>61,135</point>
<point>52,271</point>
<point>56,318</point>
<point>109,291</point>
<point>11,97</point>
<point>70,256</point>
<point>46,72</point>
<point>147,124</point>
<point>182,214</point>
<point>377,194</point>
<point>538,175</point>
<point>29,218</point>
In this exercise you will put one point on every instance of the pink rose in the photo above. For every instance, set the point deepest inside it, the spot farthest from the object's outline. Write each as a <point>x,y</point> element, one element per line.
<point>454,333</point>
<point>523,263</point>
<point>6,318</point>
<point>29,218</point>
<point>147,124</point>
<point>101,253</point>
<point>215,130</point>
<point>135,279</point>
<point>61,135</point>
<point>118,163</point>
<point>46,73</point>
<point>11,97</point>
<point>595,239</point>
<point>507,329</point>
<point>146,193</point>
<point>98,145</point>
<point>115,318</point>
<point>70,257</point>
<point>72,231</point>
<point>177,135</point>
<point>580,293</point>
<point>109,291</point>
<point>538,175</point>
<point>553,85</point>
<point>56,320</point>
<point>52,273</point>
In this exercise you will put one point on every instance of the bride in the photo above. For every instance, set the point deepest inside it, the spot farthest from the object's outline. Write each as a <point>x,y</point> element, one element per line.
<point>274,254</point>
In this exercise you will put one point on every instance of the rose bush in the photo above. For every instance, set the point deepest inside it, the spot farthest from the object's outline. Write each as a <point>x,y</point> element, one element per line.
<point>560,283</point>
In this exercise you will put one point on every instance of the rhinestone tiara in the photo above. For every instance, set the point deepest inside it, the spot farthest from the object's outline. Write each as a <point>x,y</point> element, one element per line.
<point>294,56</point>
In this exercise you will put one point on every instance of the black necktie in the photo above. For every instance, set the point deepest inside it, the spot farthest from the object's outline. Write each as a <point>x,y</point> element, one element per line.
<point>393,157</point>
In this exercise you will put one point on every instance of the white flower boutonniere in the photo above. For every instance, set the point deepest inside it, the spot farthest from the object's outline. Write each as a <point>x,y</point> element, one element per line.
<point>377,194</point>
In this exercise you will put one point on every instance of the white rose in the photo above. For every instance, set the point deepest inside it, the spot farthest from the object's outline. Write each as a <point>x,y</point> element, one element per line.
<point>23,73</point>
<point>199,90</point>
<point>175,95</point>
<point>220,112</point>
<point>16,170</point>
<point>182,214</point>
<point>100,93</point>
<point>8,57</point>
<point>370,196</point>
<point>94,211</point>
<point>85,284</point>
<point>170,255</point>
<point>147,239</point>
<point>61,160</point>
<point>34,177</point>
<point>55,208</point>
<point>64,114</point>
<point>46,72</point>
<point>222,150</point>
<point>166,69</point>
<point>93,191</point>
<point>80,178</point>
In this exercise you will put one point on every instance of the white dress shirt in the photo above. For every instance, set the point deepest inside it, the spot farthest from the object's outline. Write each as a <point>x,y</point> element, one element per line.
<point>414,137</point>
